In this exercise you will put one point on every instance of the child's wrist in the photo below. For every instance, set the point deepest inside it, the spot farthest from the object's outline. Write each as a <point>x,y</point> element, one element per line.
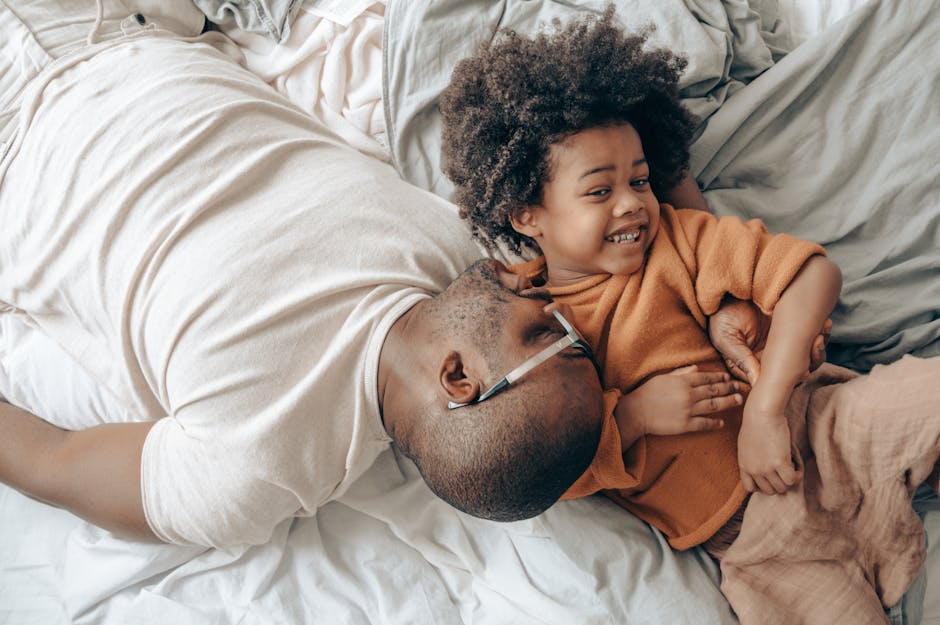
<point>765,401</point>
<point>781,373</point>
<point>629,422</point>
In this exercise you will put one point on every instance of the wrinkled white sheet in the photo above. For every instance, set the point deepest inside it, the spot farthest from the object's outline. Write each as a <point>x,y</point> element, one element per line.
<point>389,552</point>
<point>330,65</point>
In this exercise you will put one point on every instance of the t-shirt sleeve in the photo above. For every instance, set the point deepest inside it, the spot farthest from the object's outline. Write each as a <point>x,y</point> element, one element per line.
<point>203,493</point>
<point>611,468</point>
<point>224,467</point>
<point>741,259</point>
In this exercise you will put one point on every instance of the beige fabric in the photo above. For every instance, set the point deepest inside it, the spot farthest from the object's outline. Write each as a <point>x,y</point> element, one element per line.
<point>825,552</point>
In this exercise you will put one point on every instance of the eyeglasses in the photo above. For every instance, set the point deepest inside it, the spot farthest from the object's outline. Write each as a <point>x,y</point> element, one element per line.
<point>570,339</point>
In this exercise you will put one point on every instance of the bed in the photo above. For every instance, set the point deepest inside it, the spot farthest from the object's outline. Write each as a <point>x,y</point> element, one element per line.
<point>777,84</point>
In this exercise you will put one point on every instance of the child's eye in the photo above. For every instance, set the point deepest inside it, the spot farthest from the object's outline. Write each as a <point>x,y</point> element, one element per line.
<point>602,192</point>
<point>640,182</point>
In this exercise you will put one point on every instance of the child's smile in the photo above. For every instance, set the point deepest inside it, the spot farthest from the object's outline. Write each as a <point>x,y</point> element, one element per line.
<point>631,232</point>
<point>623,237</point>
<point>598,213</point>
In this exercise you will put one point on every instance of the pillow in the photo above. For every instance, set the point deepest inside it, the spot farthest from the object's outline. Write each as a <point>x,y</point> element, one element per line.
<point>424,41</point>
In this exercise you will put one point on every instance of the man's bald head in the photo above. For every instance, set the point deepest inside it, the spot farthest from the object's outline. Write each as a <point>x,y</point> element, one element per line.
<point>514,455</point>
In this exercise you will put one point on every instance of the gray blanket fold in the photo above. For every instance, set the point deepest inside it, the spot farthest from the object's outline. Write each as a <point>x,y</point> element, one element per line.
<point>840,143</point>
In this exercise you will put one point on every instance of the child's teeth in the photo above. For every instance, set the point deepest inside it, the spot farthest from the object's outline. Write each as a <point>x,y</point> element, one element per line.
<point>625,237</point>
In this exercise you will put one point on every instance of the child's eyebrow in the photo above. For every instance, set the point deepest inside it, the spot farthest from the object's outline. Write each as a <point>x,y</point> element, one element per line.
<point>595,170</point>
<point>636,163</point>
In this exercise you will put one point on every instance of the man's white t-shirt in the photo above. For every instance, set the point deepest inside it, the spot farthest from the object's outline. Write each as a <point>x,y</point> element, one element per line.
<point>218,261</point>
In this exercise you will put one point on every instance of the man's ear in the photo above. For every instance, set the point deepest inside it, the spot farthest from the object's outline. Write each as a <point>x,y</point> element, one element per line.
<point>459,384</point>
<point>526,222</point>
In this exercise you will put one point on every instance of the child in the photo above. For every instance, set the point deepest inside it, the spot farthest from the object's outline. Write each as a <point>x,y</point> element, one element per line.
<point>561,144</point>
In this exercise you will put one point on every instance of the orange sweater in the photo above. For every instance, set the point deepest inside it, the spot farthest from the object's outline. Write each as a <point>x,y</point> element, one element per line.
<point>654,321</point>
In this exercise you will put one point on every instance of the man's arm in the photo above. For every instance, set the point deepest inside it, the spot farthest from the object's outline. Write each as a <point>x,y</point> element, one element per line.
<point>93,473</point>
<point>686,194</point>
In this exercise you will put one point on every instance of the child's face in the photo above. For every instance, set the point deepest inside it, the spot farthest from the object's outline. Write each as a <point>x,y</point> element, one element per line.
<point>598,213</point>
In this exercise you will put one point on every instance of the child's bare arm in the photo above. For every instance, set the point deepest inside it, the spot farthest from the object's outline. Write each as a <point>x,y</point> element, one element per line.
<point>764,442</point>
<point>93,473</point>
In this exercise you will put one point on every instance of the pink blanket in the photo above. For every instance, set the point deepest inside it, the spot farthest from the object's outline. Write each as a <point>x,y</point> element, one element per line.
<point>845,541</point>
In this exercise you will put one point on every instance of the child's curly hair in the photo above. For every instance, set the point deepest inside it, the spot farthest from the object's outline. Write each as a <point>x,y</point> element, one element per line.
<point>506,106</point>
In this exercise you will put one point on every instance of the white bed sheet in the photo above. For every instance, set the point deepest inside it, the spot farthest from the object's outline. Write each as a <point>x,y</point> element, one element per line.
<point>388,552</point>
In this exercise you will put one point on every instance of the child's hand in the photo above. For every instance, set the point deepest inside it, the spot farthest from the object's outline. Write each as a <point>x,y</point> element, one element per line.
<point>678,402</point>
<point>764,455</point>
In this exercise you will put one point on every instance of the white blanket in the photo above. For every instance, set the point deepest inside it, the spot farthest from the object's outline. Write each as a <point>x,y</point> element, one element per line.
<point>389,553</point>
<point>330,65</point>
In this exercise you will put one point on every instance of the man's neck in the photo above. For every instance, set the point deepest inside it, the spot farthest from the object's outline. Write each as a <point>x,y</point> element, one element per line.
<point>398,358</point>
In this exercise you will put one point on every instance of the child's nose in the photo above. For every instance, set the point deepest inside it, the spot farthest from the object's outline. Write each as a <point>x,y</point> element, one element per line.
<point>627,203</point>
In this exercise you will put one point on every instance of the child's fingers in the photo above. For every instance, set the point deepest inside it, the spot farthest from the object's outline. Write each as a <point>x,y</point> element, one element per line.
<point>564,309</point>
<point>776,483</point>
<point>819,344</point>
<point>716,404</point>
<point>779,481</point>
<point>789,475</point>
<point>817,354</point>
<point>684,370</point>
<point>534,291</point>
<point>748,482</point>
<point>763,485</point>
<point>702,424</point>
<point>756,482</point>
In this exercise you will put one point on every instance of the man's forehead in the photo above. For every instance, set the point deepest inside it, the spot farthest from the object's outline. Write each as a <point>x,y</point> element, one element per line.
<point>482,278</point>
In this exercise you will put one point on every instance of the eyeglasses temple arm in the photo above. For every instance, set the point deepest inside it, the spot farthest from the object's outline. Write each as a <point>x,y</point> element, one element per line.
<point>539,358</point>
<point>519,371</point>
